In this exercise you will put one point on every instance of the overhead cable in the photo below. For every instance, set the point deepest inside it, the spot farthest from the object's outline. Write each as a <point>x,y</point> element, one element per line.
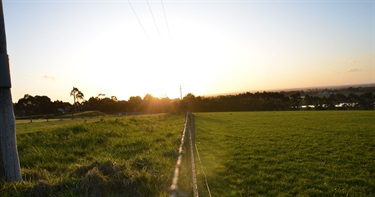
<point>144,30</point>
<point>157,29</point>
<point>166,21</point>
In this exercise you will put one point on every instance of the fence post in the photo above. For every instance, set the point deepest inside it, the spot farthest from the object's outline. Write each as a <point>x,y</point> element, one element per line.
<point>188,149</point>
<point>192,119</point>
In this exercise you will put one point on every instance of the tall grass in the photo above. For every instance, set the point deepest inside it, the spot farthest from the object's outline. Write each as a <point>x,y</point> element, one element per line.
<point>287,153</point>
<point>129,156</point>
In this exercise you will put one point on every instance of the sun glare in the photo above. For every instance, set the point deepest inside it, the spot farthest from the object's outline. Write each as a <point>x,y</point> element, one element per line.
<point>207,48</point>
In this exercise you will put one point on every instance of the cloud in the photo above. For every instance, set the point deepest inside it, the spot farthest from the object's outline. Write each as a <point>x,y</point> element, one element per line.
<point>48,77</point>
<point>354,70</point>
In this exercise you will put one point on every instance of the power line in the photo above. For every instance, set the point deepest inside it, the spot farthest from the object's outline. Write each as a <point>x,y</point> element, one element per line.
<point>153,18</point>
<point>166,21</point>
<point>144,30</point>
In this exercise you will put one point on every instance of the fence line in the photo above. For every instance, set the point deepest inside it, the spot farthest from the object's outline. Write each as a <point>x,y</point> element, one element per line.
<point>188,135</point>
<point>174,186</point>
<point>192,158</point>
<point>204,174</point>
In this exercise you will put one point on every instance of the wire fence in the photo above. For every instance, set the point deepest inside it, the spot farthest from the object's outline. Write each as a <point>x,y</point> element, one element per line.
<point>187,147</point>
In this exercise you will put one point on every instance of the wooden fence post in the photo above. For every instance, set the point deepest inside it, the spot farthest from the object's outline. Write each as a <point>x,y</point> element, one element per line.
<point>187,148</point>
<point>9,162</point>
<point>193,172</point>
<point>193,130</point>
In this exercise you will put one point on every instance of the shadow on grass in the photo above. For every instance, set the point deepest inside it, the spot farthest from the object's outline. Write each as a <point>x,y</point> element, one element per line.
<point>97,179</point>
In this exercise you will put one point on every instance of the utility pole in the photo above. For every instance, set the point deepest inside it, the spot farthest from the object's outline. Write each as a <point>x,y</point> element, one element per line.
<point>10,169</point>
<point>180,92</point>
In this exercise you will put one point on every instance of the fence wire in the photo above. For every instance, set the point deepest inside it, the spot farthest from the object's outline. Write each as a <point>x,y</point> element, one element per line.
<point>188,135</point>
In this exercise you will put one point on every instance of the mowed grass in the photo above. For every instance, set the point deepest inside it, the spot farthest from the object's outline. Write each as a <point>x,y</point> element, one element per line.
<point>121,156</point>
<point>301,153</point>
<point>42,124</point>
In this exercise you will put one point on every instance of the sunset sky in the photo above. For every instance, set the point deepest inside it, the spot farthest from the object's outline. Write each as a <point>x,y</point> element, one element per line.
<point>208,47</point>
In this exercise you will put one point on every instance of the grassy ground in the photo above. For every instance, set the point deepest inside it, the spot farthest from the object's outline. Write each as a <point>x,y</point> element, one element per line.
<point>123,156</point>
<point>25,126</point>
<point>310,153</point>
<point>42,124</point>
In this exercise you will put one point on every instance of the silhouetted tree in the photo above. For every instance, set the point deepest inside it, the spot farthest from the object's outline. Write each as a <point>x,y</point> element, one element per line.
<point>331,101</point>
<point>189,101</point>
<point>367,101</point>
<point>114,98</point>
<point>61,107</point>
<point>295,100</point>
<point>77,95</point>
<point>37,105</point>
<point>135,103</point>
<point>25,106</point>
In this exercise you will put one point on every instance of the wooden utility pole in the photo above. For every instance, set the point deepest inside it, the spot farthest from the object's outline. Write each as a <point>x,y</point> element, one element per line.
<point>180,92</point>
<point>9,163</point>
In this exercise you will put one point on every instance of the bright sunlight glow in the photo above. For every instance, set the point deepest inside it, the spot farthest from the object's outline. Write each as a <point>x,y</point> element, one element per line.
<point>207,47</point>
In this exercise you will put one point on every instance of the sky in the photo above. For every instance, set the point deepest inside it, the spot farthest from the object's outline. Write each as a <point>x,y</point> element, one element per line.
<point>129,48</point>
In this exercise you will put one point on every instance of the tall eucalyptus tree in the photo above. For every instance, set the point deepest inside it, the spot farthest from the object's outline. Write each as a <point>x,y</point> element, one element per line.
<point>77,95</point>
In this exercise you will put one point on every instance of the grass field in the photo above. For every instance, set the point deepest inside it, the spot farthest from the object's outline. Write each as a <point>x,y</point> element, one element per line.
<point>302,153</point>
<point>42,124</point>
<point>119,156</point>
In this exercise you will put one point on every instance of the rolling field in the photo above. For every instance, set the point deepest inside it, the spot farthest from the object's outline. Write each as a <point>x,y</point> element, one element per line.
<point>302,153</point>
<point>123,156</point>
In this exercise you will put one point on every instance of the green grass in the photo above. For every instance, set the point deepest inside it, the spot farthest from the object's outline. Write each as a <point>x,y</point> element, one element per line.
<point>123,156</point>
<point>307,153</point>
<point>310,153</point>
<point>42,124</point>
<point>86,114</point>
<point>41,118</point>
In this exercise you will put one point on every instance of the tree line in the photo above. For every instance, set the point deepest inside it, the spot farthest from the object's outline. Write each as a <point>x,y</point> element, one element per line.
<point>260,101</point>
<point>276,101</point>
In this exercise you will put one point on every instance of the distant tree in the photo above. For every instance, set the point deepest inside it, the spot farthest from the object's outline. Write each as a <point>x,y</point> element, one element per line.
<point>175,106</point>
<point>43,105</point>
<point>100,96</point>
<point>331,101</point>
<point>25,106</point>
<point>309,100</point>
<point>341,98</point>
<point>93,103</point>
<point>148,104</point>
<point>106,105</point>
<point>135,103</point>
<point>354,100</point>
<point>367,101</point>
<point>61,107</point>
<point>165,105</point>
<point>189,102</point>
<point>114,98</point>
<point>295,100</point>
<point>77,95</point>
<point>34,105</point>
